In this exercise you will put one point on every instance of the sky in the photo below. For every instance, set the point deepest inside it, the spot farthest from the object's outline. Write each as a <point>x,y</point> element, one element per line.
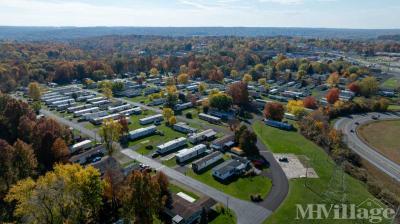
<point>364,14</point>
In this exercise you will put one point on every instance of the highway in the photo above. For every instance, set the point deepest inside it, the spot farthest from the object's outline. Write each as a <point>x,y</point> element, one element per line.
<point>349,128</point>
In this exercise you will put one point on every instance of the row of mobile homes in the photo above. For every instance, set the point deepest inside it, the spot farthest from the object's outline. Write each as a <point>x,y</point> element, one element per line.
<point>51,100</point>
<point>207,161</point>
<point>84,98</point>
<point>79,113</point>
<point>151,119</point>
<point>171,145</point>
<point>76,108</point>
<point>141,132</point>
<point>202,136</point>
<point>184,128</point>
<point>63,107</point>
<point>190,153</point>
<point>183,106</point>
<point>83,145</point>
<point>157,102</point>
<point>210,118</point>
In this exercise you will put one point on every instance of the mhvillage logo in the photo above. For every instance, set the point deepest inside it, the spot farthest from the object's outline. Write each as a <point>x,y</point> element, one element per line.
<point>370,210</point>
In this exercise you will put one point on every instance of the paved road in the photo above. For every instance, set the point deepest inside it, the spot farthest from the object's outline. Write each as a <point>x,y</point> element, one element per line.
<point>280,183</point>
<point>347,125</point>
<point>246,212</point>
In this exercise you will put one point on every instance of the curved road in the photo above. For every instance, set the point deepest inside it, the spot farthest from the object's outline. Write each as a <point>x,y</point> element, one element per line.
<point>348,126</point>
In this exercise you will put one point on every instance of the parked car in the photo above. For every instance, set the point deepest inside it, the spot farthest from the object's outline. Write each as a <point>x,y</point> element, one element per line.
<point>96,159</point>
<point>155,155</point>
<point>283,159</point>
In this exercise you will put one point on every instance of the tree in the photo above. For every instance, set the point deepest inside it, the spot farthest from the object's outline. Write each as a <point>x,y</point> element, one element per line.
<point>202,87</point>
<point>296,107</point>
<point>239,93</point>
<point>274,111</point>
<point>69,194</point>
<point>172,120</point>
<point>24,161</point>
<point>154,72</point>
<point>110,133</point>
<point>333,79</point>
<point>107,92</point>
<point>34,91</point>
<point>234,74</point>
<point>247,142</point>
<point>183,78</point>
<point>167,113</point>
<point>123,121</point>
<point>262,81</point>
<point>310,102</point>
<point>60,151</point>
<point>141,197</point>
<point>221,101</point>
<point>36,106</point>
<point>369,86</point>
<point>354,87</point>
<point>333,95</point>
<point>247,78</point>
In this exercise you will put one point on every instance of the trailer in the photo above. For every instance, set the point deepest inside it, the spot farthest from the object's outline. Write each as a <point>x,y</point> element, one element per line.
<point>63,107</point>
<point>66,101</point>
<point>201,136</point>
<point>151,119</point>
<point>85,98</point>
<point>190,153</point>
<point>94,99</point>
<point>51,100</point>
<point>184,128</point>
<point>141,132</point>
<point>91,116</point>
<point>136,110</point>
<point>83,145</point>
<point>76,108</point>
<point>210,118</point>
<point>183,106</point>
<point>100,120</point>
<point>100,102</point>
<point>85,111</point>
<point>119,108</point>
<point>207,161</point>
<point>171,145</point>
<point>278,124</point>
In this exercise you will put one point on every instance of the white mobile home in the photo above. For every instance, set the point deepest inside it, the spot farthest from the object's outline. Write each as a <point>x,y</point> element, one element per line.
<point>206,161</point>
<point>91,116</point>
<point>151,119</point>
<point>141,132</point>
<point>94,99</point>
<point>100,102</point>
<point>184,128</point>
<point>183,106</point>
<point>79,113</point>
<point>66,101</point>
<point>119,108</point>
<point>83,145</point>
<point>190,153</point>
<point>171,145</point>
<point>210,118</point>
<point>100,120</point>
<point>136,110</point>
<point>201,136</point>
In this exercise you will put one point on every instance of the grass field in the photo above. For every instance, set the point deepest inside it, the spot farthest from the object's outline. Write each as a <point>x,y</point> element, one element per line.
<point>242,188</point>
<point>170,162</point>
<point>394,107</point>
<point>386,142</point>
<point>391,83</point>
<point>224,218</point>
<point>315,192</point>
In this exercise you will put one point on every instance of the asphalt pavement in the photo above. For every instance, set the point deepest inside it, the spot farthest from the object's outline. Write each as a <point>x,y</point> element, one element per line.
<point>349,128</point>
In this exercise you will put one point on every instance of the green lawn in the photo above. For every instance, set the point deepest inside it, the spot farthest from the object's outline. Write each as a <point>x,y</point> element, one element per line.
<point>174,188</point>
<point>394,107</point>
<point>391,83</point>
<point>170,162</point>
<point>224,218</point>
<point>241,188</point>
<point>280,141</point>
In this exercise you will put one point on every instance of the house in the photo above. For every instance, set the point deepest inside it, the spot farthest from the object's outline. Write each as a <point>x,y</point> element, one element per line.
<point>202,136</point>
<point>224,143</point>
<point>230,168</point>
<point>183,211</point>
<point>207,161</point>
<point>184,128</point>
<point>171,145</point>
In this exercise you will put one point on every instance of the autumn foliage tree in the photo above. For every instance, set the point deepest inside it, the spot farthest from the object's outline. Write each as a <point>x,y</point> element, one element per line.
<point>333,95</point>
<point>110,133</point>
<point>310,102</point>
<point>239,93</point>
<point>274,111</point>
<point>354,87</point>
<point>221,101</point>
